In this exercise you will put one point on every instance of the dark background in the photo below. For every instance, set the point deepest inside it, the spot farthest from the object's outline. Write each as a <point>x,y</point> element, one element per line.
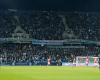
<point>56,5</point>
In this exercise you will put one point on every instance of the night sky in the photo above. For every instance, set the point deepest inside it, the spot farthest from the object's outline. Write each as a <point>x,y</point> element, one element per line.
<point>56,5</point>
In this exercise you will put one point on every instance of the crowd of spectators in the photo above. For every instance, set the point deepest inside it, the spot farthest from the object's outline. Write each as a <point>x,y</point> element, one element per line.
<point>46,25</point>
<point>28,54</point>
<point>40,24</point>
<point>84,24</point>
<point>49,25</point>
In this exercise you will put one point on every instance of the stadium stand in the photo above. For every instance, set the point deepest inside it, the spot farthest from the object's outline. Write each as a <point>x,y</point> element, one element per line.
<point>46,25</point>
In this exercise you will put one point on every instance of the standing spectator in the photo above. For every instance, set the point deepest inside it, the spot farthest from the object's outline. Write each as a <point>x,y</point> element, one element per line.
<point>99,60</point>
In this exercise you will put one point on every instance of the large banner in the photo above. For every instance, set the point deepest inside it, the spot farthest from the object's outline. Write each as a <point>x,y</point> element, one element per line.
<point>48,42</point>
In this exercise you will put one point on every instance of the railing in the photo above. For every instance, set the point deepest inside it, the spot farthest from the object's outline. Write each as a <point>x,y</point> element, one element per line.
<point>48,42</point>
<point>16,40</point>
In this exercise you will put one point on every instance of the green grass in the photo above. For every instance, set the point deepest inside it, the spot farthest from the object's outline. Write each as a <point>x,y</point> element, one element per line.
<point>48,73</point>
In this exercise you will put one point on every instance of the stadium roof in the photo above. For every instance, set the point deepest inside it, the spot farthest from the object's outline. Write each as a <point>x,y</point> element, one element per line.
<point>59,5</point>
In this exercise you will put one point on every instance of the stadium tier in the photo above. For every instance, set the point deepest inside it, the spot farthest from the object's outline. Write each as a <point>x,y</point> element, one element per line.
<point>47,37</point>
